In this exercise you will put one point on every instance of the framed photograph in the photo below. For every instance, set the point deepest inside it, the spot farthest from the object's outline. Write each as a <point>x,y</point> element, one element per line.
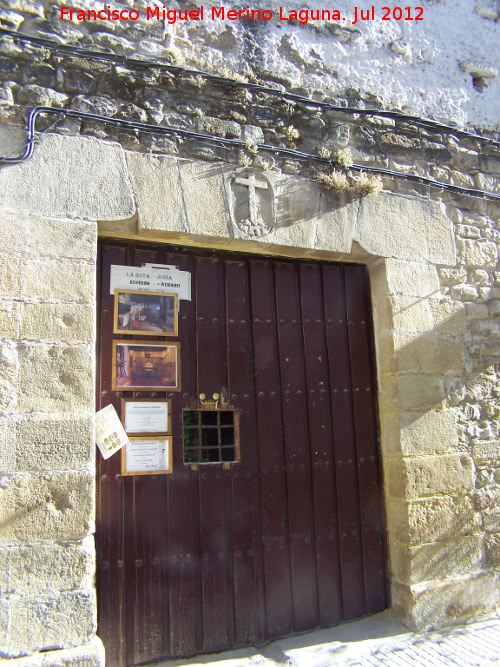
<point>147,456</point>
<point>147,366</point>
<point>145,416</point>
<point>146,313</point>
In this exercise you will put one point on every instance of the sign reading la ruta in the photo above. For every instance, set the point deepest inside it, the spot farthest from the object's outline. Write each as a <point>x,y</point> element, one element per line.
<point>151,278</point>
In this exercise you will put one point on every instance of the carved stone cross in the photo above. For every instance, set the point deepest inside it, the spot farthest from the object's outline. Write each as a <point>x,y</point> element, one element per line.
<point>252,185</point>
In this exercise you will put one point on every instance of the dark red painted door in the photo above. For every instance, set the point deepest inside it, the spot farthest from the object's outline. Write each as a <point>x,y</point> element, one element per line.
<point>291,536</point>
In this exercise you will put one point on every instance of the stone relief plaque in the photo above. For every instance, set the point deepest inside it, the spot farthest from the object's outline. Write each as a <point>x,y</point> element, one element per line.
<point>252,206</point>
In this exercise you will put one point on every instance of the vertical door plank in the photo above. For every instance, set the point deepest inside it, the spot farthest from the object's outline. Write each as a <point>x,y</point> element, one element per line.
<point>148,509</point>
<point>215,531</point>
<point>351,554</point>
<point>362,369</point>
<point>296,442</point>
<point>182,562</point>
<point>110,542</point>
<point>247,537</point>
<point>277,584</point>
<point>321,446</point>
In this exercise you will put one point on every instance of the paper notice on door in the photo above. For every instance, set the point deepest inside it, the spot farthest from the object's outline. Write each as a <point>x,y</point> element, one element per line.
<point>110,435</point>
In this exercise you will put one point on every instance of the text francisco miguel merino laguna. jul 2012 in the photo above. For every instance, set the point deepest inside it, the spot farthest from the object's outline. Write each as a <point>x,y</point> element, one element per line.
<point>163,13</point>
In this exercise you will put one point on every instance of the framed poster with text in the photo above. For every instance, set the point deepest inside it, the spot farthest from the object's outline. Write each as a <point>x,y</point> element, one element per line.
<point>146,416</point>
<point>147,456</point>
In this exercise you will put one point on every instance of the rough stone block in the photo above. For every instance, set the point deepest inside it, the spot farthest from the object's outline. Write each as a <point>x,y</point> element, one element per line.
<point>439,560</point>
<point>477,253</point>
<point>42,567</point>
<point>87,655</point>
<point>70,177</point>
<point>55,378</point>
<point>55,442</point>
<point>483,452</point>
<point>431,519</point>
<point>429,475</point>
<point>433,432</point>
<point>48,622</point>
<point>70,280</point>
<point>431,605</point>
<point>492,547</point>
<point>49,506</point>
<point>57,322</point>
<point>448,317</point>
<point>72,239</point>
<point>420,392</point>
<point>158,191</point>
<point>410,229</point>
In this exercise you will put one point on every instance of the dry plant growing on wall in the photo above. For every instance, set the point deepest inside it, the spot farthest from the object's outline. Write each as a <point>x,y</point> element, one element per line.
<point>292,135</point>
<point>344,158</point>
<point>367,185</point>
<point>335,181</point>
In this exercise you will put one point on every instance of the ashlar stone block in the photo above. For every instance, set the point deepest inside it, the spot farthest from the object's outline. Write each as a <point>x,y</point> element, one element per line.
<point>431,519</point>
<point>56,442</point>
<point>430,605</point>
<point>47,506</point>
<point>14,237</point>
<point>9,374</point>
<point>70,177</point>
<point>12,275</point>
<point>48,622</point>
<point>424,433</point>
<point>10,319</point>
<point>448,317</point>
<point>72,239</point>
<point>90,654</point>
<point>420,392</point>
<point>405,278</point>
<point>57,322</point>
<point>55,378</point>
<point>436,561</point>
<point>407,228</point>
<point>69,280</point>
<point>42,567</point>
<point>429,354</point>
<point>429,475</point>
<point>158,191</point>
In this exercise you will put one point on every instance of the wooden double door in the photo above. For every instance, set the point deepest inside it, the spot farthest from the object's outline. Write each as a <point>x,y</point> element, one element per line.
<point>291,536</point>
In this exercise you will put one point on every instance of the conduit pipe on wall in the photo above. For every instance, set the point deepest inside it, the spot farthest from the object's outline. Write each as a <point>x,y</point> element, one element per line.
<point>189,134</point>
<point>143,64</point>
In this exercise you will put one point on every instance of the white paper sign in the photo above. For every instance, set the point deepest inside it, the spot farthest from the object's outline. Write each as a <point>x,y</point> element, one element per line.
<point>146,416</point>
<point>149,279</point>
<point>147,456</point>
<point>109,434</point>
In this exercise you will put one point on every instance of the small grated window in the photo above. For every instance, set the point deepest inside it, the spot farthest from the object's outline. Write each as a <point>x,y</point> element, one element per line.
<point>210,436</point>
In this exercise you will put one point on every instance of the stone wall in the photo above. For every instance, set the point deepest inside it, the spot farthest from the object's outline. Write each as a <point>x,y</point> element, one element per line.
<point>435,278</point>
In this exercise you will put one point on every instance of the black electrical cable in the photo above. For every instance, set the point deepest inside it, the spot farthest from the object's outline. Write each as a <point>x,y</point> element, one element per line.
<point>189,134</point>
<point>137,63</point>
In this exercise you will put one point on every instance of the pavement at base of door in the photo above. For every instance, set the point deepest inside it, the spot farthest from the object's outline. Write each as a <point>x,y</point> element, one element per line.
<point>377,641</point>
